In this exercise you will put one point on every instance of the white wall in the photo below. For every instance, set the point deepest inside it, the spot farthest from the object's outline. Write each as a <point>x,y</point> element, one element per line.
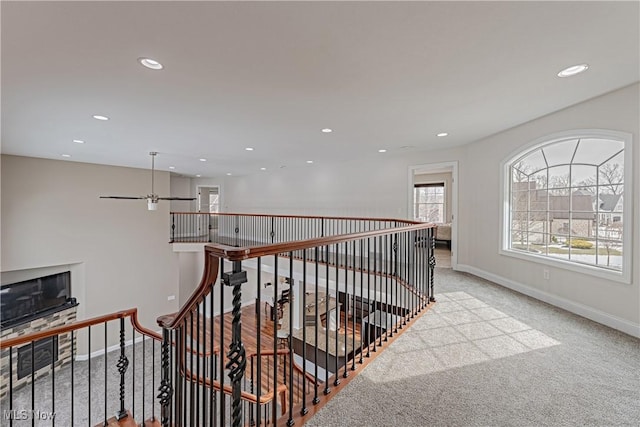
<point>117,249</point>
<point>377,186</point>
<point>181,187</point>
<point>373,185</point>
<point>480,210</point>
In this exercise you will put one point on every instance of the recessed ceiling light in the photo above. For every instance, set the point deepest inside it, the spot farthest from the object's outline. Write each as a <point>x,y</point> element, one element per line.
<point>309,161</point>
<point>66,155</point>
<point>198,176</point>
<point>99,117</point>
<point>249,149</point>
<point>573,70</point>
<point>78,141</point>
<point>150,63</point>
<point>382,150</point>
<point>263,169</point>
<point>442,134</point>
<point>172,167</point>
<point>229,173</point>
<point>327,130</point>
<point>203,160</point>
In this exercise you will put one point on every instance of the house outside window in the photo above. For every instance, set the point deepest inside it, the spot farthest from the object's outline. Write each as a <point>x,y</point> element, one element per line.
<point>429,202</point>
<point>566,200</point>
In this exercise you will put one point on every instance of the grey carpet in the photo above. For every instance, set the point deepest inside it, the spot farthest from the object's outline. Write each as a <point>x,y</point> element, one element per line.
<point>483,356</point>
<point>487,356</point>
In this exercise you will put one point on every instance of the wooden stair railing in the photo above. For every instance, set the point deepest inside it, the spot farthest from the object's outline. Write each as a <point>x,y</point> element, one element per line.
<point>123,415</point>
<point>386,261</point>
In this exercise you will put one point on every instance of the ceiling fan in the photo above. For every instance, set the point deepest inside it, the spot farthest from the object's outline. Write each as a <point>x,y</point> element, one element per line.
<point>152,199</point>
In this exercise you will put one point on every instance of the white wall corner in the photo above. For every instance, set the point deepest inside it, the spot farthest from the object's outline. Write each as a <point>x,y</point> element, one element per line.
<point>563,303</point>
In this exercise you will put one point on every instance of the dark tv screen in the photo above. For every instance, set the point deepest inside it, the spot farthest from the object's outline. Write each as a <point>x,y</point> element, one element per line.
<point>22,300</point>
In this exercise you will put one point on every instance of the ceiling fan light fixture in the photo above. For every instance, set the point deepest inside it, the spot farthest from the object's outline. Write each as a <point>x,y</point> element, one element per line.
<point>152,205</point>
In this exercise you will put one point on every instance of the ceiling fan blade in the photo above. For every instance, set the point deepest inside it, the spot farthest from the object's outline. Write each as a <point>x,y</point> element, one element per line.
<point>122,197</point>
<point>176,198</point>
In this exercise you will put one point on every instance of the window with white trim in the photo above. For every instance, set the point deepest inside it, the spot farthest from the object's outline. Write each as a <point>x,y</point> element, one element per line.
<point>429,202</point>
<point>566,201</point>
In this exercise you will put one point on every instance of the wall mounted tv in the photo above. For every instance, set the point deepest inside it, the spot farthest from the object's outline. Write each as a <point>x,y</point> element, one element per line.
<point>27,300</point>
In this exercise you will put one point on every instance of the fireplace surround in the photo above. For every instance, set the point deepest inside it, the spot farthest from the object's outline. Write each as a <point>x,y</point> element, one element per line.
<point>32,306</point>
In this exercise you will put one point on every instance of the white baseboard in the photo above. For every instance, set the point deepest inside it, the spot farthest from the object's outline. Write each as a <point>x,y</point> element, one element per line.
<point>572,306</point>
<point>116,347</point>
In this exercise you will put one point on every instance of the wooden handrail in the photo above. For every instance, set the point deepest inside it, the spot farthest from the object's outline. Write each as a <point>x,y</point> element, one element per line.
<point>132,313</point>
<point>352,218</point>
<point>211,267</point>
<point>232,253</point>
<point>214,252</point>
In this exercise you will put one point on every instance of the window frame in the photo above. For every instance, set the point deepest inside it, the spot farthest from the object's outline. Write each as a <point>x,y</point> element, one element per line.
<point>434,184</point>
<point>623,275</point>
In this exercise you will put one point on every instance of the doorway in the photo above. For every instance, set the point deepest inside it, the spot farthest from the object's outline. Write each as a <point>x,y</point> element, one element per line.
<point>433,197</point>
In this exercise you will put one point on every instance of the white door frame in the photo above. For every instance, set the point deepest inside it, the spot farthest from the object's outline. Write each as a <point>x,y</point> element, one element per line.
<point>434,168</point>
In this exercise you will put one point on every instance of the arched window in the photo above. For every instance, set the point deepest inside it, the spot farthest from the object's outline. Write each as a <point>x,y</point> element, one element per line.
<point>567,198</point>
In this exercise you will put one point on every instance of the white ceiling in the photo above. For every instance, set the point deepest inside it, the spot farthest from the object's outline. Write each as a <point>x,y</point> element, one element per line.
<point>271,75</point>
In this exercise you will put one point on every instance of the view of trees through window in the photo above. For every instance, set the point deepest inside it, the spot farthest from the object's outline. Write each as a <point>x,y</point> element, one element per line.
<point>429,202</point>
<point>566,201</point>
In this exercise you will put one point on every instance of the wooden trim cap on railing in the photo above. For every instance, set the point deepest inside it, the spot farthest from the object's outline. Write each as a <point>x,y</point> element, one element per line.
<point>242,253</point>
<point>210,275</point>
<point>132,313</point>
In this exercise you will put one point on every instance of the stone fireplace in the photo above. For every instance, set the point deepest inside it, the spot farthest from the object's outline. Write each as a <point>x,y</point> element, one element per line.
<point>50,308</point>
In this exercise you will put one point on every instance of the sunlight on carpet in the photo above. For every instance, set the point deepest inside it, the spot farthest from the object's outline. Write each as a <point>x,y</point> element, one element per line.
<point>459,331</point>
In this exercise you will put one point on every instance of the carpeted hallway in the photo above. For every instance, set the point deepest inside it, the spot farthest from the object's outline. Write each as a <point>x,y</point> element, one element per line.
<point>487,356</point>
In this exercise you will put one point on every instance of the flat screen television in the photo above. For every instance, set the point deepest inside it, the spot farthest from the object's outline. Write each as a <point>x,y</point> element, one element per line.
<point>29,299</point>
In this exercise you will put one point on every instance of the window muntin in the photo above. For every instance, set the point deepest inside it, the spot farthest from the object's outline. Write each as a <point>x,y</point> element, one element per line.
<point>566,201</point>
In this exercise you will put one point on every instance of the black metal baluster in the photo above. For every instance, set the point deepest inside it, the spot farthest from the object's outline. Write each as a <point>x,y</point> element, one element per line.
<point>395,274</point>
<point>369,313</point>
<point>316,399</point>
<point>386,288</point>
<point>353,311</point>
<point>153,379</point>
<point>258,378</point>
<point>304,409</point>
<point>89,377</point>
<point>346,308</point>
<point>432,262</point>
<point>122,365</point>
<point>197,396</point>
<point>144,376</point>
<point>336,380</point>
<point>165,390</point>
<point>212,371</point>
<point>105,373</point>
<point>11,385</point>
<point>73,357</point>
<point>274,414</point>
<point>375,292</point>
<point>361,300</point>
<point>223,415</point>
<point>327,390</point>
<point>33,382</point>
<point>236,356</point>
<point>53,378</point>
<point>183,364</point>
<point>133,373</point>
<point>203,338</point>
<point>191,381</point>
<point>290,421</point>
